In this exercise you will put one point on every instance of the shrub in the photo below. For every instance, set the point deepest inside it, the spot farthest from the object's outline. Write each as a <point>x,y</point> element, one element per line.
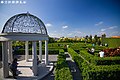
<point>86,55</point>
<point>50,51</point>
<point>77,46</point>
<point>103,73</point>
<point>93,72</point>
<point>106,60</point>
<point>62,71</point>
<point>100,61</point>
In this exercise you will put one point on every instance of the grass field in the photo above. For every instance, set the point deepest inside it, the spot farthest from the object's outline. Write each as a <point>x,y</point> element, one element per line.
<point>112,42</point>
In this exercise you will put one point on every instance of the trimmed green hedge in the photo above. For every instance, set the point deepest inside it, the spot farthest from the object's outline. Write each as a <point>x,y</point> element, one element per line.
<point>98,60</point>
<point>62,71</point>
<point>106,61</point>
<point>78,60</point>
<point>77,46</point>
<point>93,72</point>
<point>86,55</point>
<point>57,45</point>
<point>50,51</point>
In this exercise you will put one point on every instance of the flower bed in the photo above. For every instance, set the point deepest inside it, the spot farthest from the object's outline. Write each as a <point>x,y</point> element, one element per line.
<point>112,52</point>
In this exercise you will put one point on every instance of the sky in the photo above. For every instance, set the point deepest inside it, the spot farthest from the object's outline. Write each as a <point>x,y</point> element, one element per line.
<point>69,18</point>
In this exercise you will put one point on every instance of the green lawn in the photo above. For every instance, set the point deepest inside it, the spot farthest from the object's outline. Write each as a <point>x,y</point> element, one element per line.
<point>112,42</point>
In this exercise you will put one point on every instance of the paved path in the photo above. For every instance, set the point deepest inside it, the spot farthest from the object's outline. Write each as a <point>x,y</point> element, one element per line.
<point>73,67</point>
<point>50,76</point>
<point>51,58</point>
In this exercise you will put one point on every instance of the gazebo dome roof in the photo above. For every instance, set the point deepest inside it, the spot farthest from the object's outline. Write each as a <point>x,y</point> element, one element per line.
<point>24,23</point>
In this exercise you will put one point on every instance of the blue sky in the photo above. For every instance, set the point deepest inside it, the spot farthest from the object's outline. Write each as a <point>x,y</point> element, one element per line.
<point>70,18</point>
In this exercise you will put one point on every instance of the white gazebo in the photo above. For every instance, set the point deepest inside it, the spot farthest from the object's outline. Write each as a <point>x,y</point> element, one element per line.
<point>23,27</point>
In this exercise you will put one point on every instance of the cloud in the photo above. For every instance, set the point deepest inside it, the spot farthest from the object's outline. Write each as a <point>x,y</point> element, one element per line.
<point>109,28</point>
<point>48,25</point>
<point>75,33</point>
<point>103,30</point>
<point>55,31</point>
<point>78,32</point>
<point>70,34</point>
<point>54,35</point>
<point>112,27</point>
<point>99,23</point>
<point>64,27</point>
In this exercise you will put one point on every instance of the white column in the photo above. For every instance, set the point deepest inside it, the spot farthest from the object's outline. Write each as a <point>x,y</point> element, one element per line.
<point>34,52</point>
<point>5,59</point>
<point>40,50</point>
<point>46,52</point>
<point>10,54</point>
<point>26,50</point>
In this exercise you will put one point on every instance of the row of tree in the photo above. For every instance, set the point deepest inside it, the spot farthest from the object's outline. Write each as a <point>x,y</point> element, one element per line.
<point>87,39</point>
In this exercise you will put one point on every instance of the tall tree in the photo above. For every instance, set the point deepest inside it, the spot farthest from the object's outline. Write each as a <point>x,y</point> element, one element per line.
<point>103,35</point>
<point>96,38</point>
<point>86,38</point>
<point>90,38</point>
<point>51,40</point>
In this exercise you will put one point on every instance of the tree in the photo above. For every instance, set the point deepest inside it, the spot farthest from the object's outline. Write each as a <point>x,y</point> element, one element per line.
<point>66,39</point>
<point>18,43</point>
<point>51,40</point>
<point>86,38</point>
<point>60,40</point>
<point>90,38</point>
<point>103,35</point>
<point>99,41</point>
<point>96,38</point>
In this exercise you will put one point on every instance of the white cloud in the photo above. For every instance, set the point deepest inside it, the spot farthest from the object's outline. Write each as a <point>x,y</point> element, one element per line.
<point>109,28</point>
<point>54,35</point>
<point>103,30</point>
<point>70,34</point>
<point>75,33</point>
<point>78,32</point>
<point>112,27</point>
<point>64,27</point>
<point>55,31</point>
<point>99,23</point>
<point>48,25</point>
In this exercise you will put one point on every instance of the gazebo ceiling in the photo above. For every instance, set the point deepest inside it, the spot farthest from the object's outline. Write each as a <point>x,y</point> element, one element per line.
<point>24,23</point>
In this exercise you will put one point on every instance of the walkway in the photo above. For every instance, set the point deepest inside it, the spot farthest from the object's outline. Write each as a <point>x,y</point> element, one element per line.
<point>25,69</point>
<point>50,76</point>
<point>73,67</point>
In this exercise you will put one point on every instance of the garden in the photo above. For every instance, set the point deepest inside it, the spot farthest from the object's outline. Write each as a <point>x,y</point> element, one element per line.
<point>92,66</point>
